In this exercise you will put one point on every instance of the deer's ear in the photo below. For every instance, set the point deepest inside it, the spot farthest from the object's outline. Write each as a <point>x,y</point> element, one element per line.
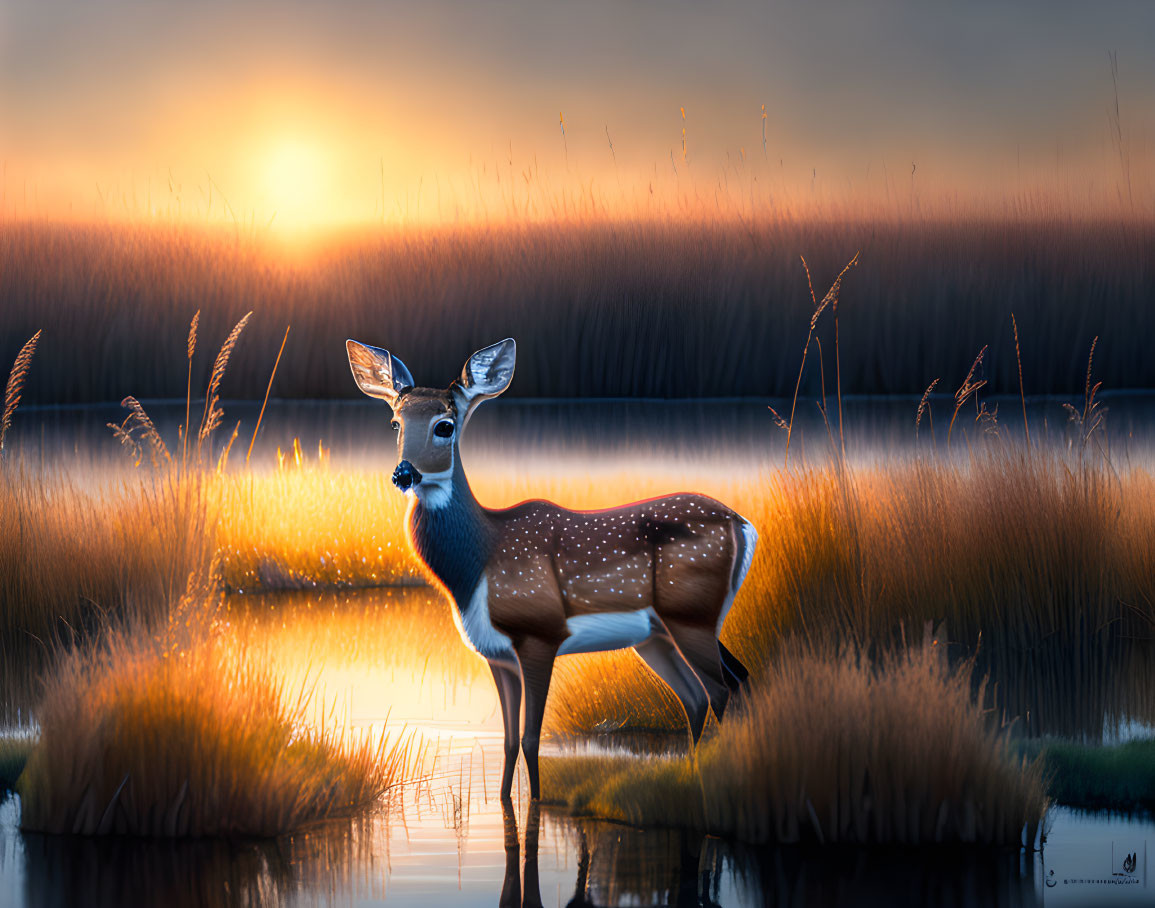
<point>486,374</point>
<point>378,372</point>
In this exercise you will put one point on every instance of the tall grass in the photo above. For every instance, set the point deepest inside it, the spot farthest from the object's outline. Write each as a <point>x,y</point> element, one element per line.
<point>306,526</point>
<point>73,557</point>
<point>831,749</point>
<point>1041,564</point>
<point>624,309</point>
<point>184,733</point>
<point>120,550</point>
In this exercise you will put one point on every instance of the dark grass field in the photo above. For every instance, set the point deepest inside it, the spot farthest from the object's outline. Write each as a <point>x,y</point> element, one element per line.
<point>625,309</point>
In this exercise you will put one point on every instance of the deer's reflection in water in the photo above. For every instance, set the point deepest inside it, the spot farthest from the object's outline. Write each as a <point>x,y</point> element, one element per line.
<point>616,865</point>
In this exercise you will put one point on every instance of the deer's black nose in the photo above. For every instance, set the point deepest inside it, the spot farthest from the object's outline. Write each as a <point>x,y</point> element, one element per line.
<point>406,475</point>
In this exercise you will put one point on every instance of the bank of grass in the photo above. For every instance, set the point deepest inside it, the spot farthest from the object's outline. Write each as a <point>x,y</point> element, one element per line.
<point>831,748</point>
<point>306,526</point>
<point>185,732</point>
<point>1116,777</point>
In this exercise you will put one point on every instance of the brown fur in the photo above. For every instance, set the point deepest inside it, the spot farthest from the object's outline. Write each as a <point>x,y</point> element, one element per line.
<point>673,554</point>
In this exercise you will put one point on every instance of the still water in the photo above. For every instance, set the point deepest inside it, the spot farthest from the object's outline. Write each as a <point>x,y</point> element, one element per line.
<point>448,842</point>
<point>446,839</point>
<point>736,433</point>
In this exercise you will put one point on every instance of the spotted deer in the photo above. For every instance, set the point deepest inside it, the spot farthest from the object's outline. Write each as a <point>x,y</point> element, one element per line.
<point>537,581</point>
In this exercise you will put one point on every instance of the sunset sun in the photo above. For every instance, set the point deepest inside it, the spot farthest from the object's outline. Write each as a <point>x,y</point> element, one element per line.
<point>295,180</point>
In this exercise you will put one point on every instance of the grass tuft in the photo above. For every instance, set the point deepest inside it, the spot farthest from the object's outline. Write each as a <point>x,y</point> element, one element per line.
<point>185,734</point>
<point>831,749</point>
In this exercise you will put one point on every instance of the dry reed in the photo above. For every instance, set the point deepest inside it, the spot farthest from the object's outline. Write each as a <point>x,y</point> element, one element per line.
<point>15,384</point>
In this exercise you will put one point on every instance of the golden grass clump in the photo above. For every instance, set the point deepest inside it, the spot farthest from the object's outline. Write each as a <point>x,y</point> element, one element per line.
<point>830,748</point>
<point>70,557</point>
<point>185,733</point>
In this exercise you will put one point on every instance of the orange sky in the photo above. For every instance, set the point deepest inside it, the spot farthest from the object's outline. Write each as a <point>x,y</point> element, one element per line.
<point>298,114</point>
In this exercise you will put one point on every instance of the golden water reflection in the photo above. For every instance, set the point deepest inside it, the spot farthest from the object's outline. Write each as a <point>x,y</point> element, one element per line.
<point>442,843</point>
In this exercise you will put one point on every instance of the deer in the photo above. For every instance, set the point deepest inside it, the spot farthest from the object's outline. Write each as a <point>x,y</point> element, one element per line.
<point>537,581</point>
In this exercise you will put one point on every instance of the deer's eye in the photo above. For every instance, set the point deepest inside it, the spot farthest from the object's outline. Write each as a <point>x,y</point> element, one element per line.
<point>444,429</point>
<point>395,425</point>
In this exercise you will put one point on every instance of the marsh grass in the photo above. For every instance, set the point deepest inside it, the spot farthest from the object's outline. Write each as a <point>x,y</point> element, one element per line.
<point>72,558</point>
<point>14,387</point>
<point>1039,567</point>
<point>856,553</point>
<point>186,733</point>
<point>831,748</point>
<point>306,526</point>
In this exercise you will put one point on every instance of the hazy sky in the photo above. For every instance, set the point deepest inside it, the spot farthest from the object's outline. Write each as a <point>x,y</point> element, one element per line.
<point>324,110</point>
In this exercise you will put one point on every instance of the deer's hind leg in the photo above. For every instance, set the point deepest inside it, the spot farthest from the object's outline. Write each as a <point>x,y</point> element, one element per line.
<point>736,674</point>
<point>660,654</point>
<point>699,647</point>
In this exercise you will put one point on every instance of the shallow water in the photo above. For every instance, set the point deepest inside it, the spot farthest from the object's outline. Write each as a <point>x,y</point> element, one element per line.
<point>446,840</point>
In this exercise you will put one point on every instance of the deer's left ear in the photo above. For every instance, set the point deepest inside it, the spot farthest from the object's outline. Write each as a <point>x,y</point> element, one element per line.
<point>486,374</point>
<point>378,372</point>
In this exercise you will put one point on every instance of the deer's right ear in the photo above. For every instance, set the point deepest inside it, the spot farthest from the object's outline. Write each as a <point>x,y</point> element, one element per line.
<point>378,372</point>
<point>487,373</point>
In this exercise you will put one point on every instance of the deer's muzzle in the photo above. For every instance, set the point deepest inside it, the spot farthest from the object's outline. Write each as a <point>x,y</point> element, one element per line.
<point>406,476</point>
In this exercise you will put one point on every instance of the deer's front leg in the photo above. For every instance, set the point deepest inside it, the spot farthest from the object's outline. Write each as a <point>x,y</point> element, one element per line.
<point>536,657</point>
<point>509,692</point>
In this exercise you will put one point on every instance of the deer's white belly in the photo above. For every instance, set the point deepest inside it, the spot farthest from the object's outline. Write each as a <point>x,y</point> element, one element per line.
<point>477,629</point>
<point>608,630</point>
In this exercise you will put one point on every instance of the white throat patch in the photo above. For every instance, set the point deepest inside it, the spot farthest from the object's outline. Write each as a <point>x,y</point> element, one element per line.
<point>478,631</point>
<point>435,489</point>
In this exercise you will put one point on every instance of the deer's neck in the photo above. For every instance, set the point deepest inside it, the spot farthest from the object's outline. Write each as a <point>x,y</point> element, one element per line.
<point>454,540</point>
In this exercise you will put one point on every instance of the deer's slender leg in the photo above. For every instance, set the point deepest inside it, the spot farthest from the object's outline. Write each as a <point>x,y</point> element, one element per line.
<point>509,692</point>
<point>660,654</point>
<point>699,646</point>
<point>537,658</point>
